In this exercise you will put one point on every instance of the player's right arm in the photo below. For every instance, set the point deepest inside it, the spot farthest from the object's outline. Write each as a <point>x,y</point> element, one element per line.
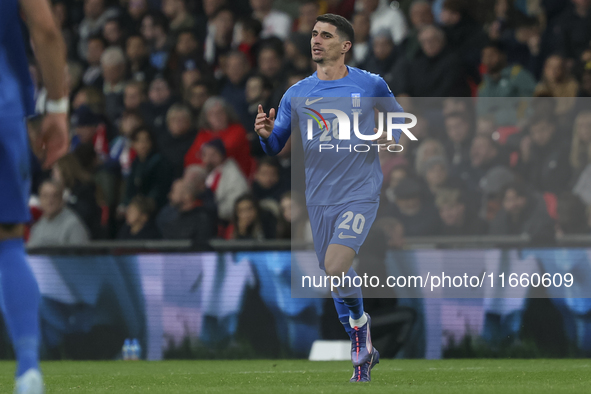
<point>274,133</point>
<point>50,51</point>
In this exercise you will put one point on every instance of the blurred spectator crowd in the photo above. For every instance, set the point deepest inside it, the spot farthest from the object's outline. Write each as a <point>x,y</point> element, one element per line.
<point>164,94</point>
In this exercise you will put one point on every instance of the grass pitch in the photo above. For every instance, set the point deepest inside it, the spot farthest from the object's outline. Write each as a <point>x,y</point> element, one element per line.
<point>299,376</point>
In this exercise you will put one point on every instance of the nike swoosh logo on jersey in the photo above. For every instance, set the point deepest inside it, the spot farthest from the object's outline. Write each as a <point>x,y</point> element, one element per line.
<point>342,236</point>
<point>309,102</point>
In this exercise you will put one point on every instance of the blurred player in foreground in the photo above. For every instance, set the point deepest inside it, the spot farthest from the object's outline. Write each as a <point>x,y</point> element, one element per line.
<point>342,188</point>
<point>20,293</point>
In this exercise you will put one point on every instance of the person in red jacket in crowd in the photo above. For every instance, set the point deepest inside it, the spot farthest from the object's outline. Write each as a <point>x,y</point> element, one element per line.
<point>217,120</point>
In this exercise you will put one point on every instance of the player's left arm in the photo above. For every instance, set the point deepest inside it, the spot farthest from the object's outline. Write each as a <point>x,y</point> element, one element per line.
<point>386,102</point>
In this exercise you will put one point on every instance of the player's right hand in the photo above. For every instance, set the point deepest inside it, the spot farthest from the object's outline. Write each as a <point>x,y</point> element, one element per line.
<point>263,124</point>
<point>54,141</point>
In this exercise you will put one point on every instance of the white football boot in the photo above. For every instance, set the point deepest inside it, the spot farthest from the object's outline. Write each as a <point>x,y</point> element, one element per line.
<point>31,382</point>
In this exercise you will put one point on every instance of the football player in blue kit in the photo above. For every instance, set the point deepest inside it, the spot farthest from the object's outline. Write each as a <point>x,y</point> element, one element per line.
<point>342,185</point>
<point>20,293</point>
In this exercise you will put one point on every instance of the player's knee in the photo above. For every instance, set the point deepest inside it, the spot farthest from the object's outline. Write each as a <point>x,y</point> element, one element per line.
<point>335,267</point>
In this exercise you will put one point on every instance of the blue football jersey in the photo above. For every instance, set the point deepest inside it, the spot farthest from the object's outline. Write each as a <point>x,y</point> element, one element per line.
<point>337,170</point>
<point>16,87</point>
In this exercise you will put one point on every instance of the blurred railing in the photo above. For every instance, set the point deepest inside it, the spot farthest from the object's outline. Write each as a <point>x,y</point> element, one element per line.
<point>438,242</point>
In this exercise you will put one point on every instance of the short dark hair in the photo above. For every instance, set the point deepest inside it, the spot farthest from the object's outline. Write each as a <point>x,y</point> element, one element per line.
<point>344,27</point>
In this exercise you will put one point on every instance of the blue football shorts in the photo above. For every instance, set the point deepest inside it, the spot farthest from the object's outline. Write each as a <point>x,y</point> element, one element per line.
<point>344,224</point>
<point>15,176</point>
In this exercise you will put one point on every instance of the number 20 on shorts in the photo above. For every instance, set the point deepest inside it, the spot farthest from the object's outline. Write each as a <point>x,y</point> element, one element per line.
<point>358,222</point>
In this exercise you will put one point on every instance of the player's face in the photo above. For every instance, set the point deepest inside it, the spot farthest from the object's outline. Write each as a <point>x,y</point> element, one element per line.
<point>327,46</point>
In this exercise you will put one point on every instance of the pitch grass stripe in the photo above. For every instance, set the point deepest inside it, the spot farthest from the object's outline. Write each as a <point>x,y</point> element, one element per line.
<point>305,377</point>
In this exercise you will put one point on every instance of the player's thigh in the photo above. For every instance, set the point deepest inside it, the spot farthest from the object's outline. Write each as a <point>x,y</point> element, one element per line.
<point>338,259</point>
<point>14,173</point>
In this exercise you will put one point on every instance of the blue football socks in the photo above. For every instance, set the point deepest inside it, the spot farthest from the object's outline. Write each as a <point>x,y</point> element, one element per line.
<point>349,301</point>
<point>20,303</point>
